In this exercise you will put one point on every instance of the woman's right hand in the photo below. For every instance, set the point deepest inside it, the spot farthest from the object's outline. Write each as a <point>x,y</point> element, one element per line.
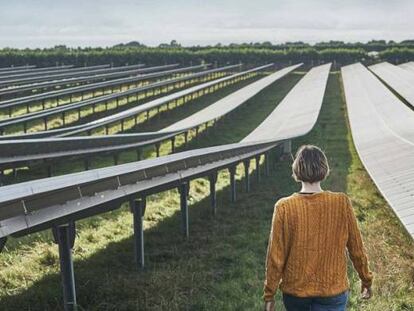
<point>366,292</point>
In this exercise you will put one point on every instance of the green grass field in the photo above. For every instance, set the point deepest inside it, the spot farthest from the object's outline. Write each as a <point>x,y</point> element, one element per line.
<point>221,266</point>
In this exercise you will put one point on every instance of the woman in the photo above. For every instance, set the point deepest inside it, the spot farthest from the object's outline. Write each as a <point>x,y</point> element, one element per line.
<point>311,230</point>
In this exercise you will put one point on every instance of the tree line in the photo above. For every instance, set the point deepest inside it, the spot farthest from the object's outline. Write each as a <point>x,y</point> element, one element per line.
<point>338,52</point>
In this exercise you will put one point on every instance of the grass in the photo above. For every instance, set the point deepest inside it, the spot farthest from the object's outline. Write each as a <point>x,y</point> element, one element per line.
<point>221,266</point>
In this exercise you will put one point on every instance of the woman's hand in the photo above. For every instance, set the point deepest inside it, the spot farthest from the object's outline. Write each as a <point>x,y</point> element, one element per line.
<point>270,305</point>
<point>366,292</point>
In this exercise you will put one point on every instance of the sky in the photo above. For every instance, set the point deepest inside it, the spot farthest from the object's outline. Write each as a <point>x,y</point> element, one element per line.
<point>46,23</point>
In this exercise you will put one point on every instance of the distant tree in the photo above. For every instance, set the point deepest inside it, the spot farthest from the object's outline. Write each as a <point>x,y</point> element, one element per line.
<point>133,44</point>
<point>61,47</point>
<point>407,42</point>
<point>172,44</point>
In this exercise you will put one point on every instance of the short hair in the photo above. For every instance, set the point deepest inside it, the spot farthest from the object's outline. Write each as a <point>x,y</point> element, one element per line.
<point>310,164</point>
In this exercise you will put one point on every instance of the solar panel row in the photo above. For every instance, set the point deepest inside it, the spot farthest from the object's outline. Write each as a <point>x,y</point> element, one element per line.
<point>383,132</point>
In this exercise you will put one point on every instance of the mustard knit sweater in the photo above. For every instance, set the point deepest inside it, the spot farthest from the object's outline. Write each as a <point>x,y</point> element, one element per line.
<point>307,246</point>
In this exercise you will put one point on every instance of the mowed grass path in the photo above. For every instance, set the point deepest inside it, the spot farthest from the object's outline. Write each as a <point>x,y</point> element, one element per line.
<point>221,266</point>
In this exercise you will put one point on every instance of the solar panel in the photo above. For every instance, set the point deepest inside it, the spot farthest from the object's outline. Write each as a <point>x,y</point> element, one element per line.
<point>383,132</point>
<point>400,80</point>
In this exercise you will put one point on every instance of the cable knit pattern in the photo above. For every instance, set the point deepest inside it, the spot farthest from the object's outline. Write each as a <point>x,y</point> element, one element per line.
<point>307,246</point>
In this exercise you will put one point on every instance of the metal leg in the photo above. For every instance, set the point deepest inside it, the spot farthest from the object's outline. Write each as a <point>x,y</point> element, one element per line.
<point>184,208</point>
<point>64,236</point>
<point>213,194</point>
<point>172,144</point>
<point>232,171</point>
<point>138,211</point>
<point>139,154</point>
<point>2,243</point>
<point>258,168</point>
<point>247,175</point>
<point>287,147</point>
<point>157,149</point>
<point>87,164</point>
<point>276,155</point>
<point>49,170</point>
<point>267,163</point>
<point>185,139</point>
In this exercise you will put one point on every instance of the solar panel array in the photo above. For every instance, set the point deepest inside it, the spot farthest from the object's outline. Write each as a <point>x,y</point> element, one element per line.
<point>40,149</point>
<point>382,126</point>
<point>398,79</point>
<point>380,108</point>
<point>81,193</point>
<point>60,110</point>
<point>383,132</point>
<point>381,120</point>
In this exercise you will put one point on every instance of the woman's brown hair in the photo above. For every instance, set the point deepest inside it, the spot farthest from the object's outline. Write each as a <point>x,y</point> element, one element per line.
<point>310,164</point>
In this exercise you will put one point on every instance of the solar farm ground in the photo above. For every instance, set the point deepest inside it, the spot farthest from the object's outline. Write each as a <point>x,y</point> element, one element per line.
<point>221,266</point>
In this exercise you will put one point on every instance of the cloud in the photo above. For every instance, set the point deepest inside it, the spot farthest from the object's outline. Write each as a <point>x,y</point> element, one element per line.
<point>103,23</point>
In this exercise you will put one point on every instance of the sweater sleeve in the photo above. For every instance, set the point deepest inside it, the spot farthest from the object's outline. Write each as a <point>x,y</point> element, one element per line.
<point>276,253</point>
<point>356,248</point>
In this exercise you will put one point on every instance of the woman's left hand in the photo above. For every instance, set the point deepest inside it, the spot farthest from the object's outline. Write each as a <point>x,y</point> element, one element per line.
<point>270,305</point>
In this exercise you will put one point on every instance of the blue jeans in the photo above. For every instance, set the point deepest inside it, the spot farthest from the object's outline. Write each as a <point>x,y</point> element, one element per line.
<point>332,303</point>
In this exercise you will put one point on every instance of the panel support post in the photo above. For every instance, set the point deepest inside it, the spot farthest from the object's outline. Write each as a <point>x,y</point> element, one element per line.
<point>86,164</point>
<point>173,144</point>
<point>49,170</point>
<point>258,168</point>
<point>138,207</point>
<point>213,194</point>
<point>139,154</point>
<point>2,243</point>
<point>276,155</point>
<point>232,170</point>
<point>287,146</point>
<point>246,164</point>
<point>64,236</point>
<point>157,149</point>
<point>183,188</point>
<point>267,163</point>
<point>185,138</point>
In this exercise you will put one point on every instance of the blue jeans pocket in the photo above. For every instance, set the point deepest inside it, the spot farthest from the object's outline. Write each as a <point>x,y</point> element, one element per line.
<point>334,303</point>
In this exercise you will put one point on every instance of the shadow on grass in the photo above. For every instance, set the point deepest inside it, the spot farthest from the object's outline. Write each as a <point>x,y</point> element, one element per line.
<point>221,266</point>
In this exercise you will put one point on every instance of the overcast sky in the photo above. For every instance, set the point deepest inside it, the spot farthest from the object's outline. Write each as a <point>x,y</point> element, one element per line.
<point>45,23</point>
